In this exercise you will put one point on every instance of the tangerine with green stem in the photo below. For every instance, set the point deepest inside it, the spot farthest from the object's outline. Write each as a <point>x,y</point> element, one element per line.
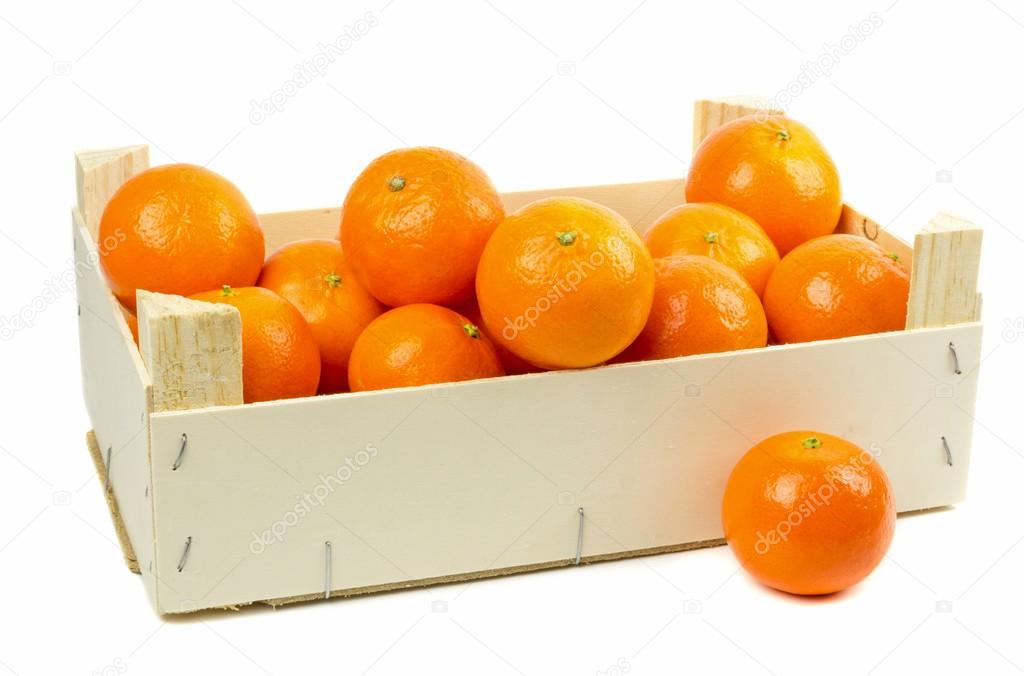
<point>808,513</point>
<point>314,276</point>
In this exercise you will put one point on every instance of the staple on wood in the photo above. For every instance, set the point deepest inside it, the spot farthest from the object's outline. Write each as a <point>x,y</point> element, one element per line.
<point>127,551</point>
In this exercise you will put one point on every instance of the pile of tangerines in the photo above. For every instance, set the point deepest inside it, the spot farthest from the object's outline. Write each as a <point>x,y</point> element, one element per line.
<point>430,281</point>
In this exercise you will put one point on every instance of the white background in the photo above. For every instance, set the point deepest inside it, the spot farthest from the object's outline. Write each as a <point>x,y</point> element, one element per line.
<point>923,113</point>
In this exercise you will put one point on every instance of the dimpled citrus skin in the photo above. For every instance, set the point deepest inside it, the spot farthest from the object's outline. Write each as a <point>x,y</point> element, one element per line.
<point>314,276</point>
<point>700,306</point>
<point>420,344</point>
<point>180,229</point>
<point>565,283</point>
<point>808,513</point>
<point>280,358</point>
<point>773,169</point>
<point>414,223</point>
<point>836,286</point>
<point>719,232</point>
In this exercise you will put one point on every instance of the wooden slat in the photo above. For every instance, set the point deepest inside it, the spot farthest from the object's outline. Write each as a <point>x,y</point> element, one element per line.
<point>449,482</point>
<point>193,351</point>
<point>710,114</point>
<point>944,281</point>
<point>99,173</point>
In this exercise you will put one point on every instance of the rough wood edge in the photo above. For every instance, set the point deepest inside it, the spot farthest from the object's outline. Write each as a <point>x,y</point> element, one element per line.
<point>98,175</point>
<point>710,114</point>
<point>192,349</point>
<point>127,550</point>
<point>944,277</point>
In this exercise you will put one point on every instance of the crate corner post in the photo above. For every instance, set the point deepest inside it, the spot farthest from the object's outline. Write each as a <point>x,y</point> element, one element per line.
<point>944,275</point>
<point>98,175</point>
<point>192,350</point>
<point>710,114</point>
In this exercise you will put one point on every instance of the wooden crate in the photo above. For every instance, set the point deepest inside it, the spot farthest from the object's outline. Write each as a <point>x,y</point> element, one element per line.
<point>220,504</point>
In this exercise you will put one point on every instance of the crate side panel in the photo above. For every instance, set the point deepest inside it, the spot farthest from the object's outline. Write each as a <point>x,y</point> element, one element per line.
<point>117,392</point>
<point>447,480</point>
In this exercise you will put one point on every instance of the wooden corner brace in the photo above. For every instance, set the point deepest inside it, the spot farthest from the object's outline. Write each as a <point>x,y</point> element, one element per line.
<point>98,175</point>
<point>192,349</point>
<point>944,277</point>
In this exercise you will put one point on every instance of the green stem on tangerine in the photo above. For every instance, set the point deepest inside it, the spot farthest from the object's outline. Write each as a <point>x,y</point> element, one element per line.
<point>566,237</point>
<point>333,280</point>
<point>711,237</point>
<point>783,135</point>
<point>471,330</point>
<point>894,256</point>
<point>811,442</point>
<point>396,183</point>
<point>226,290</point>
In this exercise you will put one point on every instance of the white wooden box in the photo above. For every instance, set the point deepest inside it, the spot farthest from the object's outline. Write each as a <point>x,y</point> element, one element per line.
<point>353,493</point>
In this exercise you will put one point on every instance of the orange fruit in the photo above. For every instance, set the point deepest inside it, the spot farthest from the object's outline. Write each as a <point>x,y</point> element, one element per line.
<point>181,229</point>
<point>414,224</point>
<point>773,169</point>
<point>313,276</point>
<point>719,232</point>
<point>565,283</point>
<point>808,513</point>
<point>836,286</point>
<point>700,306</point>
<point>512,364</point>
<point>420,344</point>
<point>280,358</point>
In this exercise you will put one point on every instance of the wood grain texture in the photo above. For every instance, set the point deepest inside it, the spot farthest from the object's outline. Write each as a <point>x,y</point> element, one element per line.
<point>452,481</point>
<point>710,114</point>
<point>193,351</point>
<point>98,175</point>
<point>944,281</point>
